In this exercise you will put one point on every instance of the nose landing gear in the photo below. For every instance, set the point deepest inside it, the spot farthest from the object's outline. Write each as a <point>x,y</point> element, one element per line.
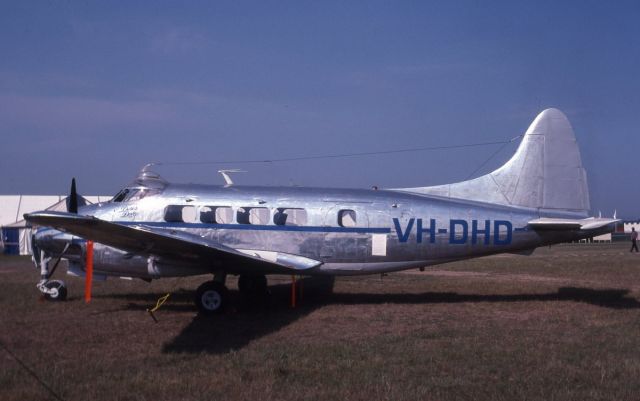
<point>53,290</point>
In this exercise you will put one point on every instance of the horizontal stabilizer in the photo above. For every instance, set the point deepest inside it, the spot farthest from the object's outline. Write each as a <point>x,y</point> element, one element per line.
<point>551,224</point>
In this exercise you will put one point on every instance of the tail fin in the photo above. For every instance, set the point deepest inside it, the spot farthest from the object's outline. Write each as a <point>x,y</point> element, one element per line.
<point>545,172</point>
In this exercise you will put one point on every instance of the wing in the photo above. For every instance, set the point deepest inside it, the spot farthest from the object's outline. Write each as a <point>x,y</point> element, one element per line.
<point>167,243</point>
<point>550,224</point>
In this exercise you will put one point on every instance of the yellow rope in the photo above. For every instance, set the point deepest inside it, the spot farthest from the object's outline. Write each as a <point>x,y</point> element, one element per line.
<point>163,299</point>
<point>159,303</point>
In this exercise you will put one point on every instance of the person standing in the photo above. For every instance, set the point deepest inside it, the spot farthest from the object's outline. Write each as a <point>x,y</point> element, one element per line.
<point>634,239</point>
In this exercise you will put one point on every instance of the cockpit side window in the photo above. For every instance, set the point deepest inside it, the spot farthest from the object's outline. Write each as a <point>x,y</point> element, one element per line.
<point>120,196</point>
<point>134,194</point>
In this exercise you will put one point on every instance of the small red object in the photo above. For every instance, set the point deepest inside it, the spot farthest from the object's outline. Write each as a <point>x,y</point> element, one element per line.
<point>293,291</point>
<point>88,272</point>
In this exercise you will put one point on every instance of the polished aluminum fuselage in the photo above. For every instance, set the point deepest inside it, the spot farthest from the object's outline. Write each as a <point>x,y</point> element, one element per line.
<point>394,230</point>
<point>539,197</point>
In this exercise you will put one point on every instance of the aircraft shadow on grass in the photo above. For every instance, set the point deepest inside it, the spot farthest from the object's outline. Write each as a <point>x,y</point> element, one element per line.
<point>252,320</point>
<point>232,332</point>
<point>608,298</point>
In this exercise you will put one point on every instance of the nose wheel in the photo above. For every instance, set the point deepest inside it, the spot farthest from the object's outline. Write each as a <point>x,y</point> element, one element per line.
<point>54,290</point>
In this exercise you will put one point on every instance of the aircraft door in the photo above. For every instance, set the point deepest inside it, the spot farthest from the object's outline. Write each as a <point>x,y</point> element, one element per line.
<point>341,241</point>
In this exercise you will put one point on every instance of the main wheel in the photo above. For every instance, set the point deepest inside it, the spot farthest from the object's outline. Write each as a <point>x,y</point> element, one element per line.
<point>211,298</point>
<point>59,291</point>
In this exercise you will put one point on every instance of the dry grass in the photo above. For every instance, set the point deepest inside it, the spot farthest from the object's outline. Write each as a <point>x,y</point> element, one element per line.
<point>562,324</point>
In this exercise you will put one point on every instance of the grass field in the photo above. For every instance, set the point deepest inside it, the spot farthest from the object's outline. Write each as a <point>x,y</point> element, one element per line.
<point>562,324</point>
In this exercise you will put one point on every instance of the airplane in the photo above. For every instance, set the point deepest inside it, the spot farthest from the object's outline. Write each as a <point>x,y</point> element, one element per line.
<point>153,229</point>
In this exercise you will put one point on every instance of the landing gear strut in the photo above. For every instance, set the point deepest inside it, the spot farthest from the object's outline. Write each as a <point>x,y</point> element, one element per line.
<point>212,296</point>
<point>53,290</point>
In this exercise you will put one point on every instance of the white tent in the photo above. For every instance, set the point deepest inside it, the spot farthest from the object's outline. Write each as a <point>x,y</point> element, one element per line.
<point>12,207</point>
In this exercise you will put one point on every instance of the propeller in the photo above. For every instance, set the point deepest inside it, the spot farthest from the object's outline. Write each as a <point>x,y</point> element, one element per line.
<point>72,207</point>
<point>72,200</point>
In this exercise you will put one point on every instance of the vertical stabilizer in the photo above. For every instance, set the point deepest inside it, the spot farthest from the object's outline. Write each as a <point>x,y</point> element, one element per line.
<point>545,172</point>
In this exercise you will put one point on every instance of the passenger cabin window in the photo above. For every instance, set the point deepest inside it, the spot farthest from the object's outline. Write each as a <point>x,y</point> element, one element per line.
<point>216,215</point>
<point>224,215</point>
<point>242,216</point>
<point>347,218</point>
<point>259,215</point>
<point>207,215</point>
<point>180,214</point>
<point>290,217</point>
<point>253,215</point>
<point>189,214</point>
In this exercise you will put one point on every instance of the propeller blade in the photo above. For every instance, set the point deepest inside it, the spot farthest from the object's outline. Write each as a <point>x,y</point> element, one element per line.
<point>88,272</point>
<point>72,201</point>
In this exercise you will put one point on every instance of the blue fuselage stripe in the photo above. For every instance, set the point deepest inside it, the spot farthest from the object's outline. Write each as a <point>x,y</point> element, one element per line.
<point>306,229</point>
<point>315,229</point>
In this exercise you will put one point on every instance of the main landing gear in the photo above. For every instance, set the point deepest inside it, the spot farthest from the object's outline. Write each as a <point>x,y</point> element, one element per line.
<point>212,297</point>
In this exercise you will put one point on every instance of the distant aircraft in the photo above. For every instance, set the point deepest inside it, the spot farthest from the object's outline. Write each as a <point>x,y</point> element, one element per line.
<point>153,229</point>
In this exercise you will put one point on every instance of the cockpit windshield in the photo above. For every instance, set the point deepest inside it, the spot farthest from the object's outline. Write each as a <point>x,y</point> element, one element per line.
<point>134,194</point>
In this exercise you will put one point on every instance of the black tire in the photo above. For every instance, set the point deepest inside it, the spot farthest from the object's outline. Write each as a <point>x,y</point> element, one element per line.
<point>61,293</point>
<point>211,298</point>
<point>252,285</point>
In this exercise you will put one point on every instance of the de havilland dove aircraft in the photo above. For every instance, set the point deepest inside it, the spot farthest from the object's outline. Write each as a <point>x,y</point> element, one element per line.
<point>153,229</point>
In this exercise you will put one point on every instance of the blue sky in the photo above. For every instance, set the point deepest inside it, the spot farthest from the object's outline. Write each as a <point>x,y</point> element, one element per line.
<point>96,90</point>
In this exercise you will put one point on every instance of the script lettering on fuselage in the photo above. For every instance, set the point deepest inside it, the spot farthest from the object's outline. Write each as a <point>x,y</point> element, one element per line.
<point>459,232</point>
<point>129,212</point>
